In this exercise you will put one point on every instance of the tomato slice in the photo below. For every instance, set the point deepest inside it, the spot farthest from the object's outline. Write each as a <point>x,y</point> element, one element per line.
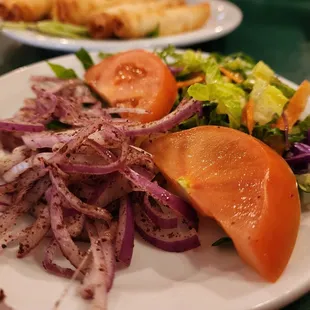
<point>135,79</point>
<point>241,183</point>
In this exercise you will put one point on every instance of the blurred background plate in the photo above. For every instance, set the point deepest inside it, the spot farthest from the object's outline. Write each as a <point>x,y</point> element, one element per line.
<point>225,17</point>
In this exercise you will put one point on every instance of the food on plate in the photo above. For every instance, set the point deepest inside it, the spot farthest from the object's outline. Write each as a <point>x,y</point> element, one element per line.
<point>136,79</point>
<point>25,10</point>
<point>168,21</point>
<point>123,19</point>
<point>140,145</point>
<point>102,24</point>
<point>78,12</point>
<point>241,183</point>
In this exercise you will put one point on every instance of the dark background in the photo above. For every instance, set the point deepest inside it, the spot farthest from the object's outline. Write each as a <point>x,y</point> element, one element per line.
<point>275,31</point>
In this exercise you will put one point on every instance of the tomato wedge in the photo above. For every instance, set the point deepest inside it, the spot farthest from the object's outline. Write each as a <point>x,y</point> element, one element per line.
<point>241,183</point>
<point>135,79</point>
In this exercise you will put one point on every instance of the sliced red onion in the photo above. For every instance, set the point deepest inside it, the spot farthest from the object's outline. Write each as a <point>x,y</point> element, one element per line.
<point>107,237</point>
<point>75,224</point>
<point>6,200</point>
<point>75,202</point>
<point>298,159</point>
<point>62,236</point>
<point>8,160</point>
<point>34,234</point>
<point>79,138</point>
<point>162,196</point>
<point>167,122</point>
<point>125,233</point>
<point>47,139</point>
<point>26,201</point>
<point>175,70</point>
<point>120,110</point>
<point>50,266</point>
<point>98,280</point>
<point>98,170</point>
<point>170,240</point>
<point>302,147</point>
<point>116,187</point>
<point>9,125</point>
<point>156,215</point>
<point>35,160</point>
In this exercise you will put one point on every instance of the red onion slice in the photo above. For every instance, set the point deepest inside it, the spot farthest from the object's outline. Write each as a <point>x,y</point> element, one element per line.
<point>168,122</point>
<point>62,236</point>
<point>34,234</point>
<point>119,110</point>
<point>98,279</point>
<point>26,201</point>
<point>160,219</point>
<point>75,202</point>
<point>9,125</point>
<point>47,139</point>
<point>162,196</point>
<point>170,240</point>
<point>52,267</point>
<point>125,233</point>
<point>35,160</point>
<point>75,224</point>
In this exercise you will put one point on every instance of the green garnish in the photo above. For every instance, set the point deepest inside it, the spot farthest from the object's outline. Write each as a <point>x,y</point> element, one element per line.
<point>62,72</point>
<point>223,241</point>
<point>85,58</point>
<point>154,33</point>
<point>57,125</point>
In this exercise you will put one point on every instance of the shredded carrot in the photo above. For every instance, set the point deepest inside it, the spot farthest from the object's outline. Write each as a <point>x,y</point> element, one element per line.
<point>296,106</point>
<point>248,115</point>
<point>197,79</point>
<point>236,77</point>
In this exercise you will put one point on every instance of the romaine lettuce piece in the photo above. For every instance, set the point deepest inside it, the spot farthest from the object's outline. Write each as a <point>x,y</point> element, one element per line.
<point>269,102</point>
<point>262,71</point>
<point>229,97</point>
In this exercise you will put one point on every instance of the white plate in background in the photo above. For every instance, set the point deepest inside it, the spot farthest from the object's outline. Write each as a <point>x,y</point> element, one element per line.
<point>225,17</point>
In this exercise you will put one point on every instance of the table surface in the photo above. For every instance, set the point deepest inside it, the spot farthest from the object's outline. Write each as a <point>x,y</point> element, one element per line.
<point>275,31</point>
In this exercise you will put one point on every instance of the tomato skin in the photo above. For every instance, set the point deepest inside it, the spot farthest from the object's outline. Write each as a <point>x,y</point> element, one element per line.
<point>135,78</point>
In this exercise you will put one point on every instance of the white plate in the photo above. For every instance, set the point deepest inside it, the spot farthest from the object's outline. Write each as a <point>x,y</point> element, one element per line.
<point>225,17</point>
<point>205,278</point>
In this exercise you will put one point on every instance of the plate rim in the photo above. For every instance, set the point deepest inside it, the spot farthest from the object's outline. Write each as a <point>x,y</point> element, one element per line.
<point>278,301</point>
<point>183,39</point>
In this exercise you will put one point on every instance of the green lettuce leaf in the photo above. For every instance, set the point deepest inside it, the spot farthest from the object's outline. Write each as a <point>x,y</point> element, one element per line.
<point>303,181</point>
<point>285,89</point>
<point>262,71</point>
<point>269,102</point>
<point>230,99</point>
<point>212,71</point>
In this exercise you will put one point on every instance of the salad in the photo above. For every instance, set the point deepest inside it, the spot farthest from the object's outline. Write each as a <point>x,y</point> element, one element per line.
<point>94,160</point>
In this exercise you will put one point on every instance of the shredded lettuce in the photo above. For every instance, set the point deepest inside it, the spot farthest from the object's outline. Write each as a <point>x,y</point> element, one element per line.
<point>269,102</point>
<point>262,71</point>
